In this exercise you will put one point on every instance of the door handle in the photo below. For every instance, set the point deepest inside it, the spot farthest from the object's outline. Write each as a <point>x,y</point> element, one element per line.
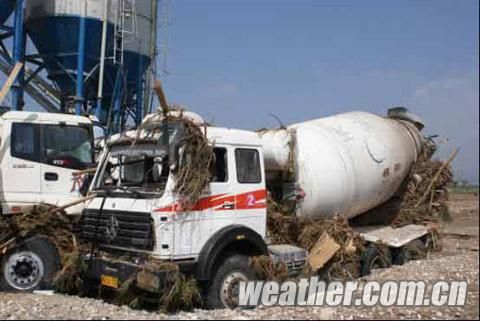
<point>228,205</point>
<point>51,177</point>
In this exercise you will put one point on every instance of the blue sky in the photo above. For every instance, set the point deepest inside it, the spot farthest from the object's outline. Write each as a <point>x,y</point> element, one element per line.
<point>236,61</point>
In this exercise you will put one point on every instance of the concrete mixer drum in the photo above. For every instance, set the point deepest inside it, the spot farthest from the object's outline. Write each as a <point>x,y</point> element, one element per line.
<point>344,164</point>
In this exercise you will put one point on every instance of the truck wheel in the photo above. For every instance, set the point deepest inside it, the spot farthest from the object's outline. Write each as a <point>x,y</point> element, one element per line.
<point>414,250</point>
<point>374,259</point>
<point>30,266</point>
<point>225,284</point>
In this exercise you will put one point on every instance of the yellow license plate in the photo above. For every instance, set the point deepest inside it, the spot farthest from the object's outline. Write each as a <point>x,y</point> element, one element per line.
<point>110,281</point>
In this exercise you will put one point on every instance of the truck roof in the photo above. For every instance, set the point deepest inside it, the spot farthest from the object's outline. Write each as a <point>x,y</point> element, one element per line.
<point>216,135</point>
<point>39,116</point>
<point>222,135</point>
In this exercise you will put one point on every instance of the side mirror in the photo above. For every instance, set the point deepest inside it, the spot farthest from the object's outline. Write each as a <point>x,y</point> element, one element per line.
<point>96,151</point>
<point>176,156</point>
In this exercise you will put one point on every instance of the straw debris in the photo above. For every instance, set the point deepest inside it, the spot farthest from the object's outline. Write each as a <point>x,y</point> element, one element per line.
<point>128,294</point>
<point>53,223</point>
<point>193,173</point>
<point>46,220</point>
<point>285,228</point>
<point>192,169</point>
<point>266,269</point>
<point>70,280</point>
<point>422,199</point>
<point>181,293</point>
<point>176,292</point>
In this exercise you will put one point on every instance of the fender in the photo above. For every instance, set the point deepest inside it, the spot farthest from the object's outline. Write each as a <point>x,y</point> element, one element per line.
<point>238,236</point>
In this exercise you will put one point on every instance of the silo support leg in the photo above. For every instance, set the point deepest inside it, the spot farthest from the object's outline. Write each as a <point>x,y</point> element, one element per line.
<point>18,56</point>
<point>79,99</point>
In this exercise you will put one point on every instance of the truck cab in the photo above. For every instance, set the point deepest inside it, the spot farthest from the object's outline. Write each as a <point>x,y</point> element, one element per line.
<point>138,214</point>
<point>39,153</point>
<point>141,212</point>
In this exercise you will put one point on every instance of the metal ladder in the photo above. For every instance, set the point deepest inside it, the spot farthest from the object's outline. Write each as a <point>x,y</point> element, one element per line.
<point>160,52</point>
<point>125,27</point>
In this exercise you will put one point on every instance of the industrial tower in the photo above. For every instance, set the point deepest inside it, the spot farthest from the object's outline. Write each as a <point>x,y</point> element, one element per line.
<point>87,57</point>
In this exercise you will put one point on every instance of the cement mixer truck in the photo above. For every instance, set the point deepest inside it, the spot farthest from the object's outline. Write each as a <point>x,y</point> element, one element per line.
<point>341,165</point>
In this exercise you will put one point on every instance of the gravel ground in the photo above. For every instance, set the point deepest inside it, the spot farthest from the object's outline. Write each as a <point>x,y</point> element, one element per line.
<point>461,267</point>
<point>458,267</point>
<point>458,261</point>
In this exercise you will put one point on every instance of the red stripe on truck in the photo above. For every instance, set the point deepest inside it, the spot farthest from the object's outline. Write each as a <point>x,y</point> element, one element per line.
<point>251,200</point>
<point>245,201</point>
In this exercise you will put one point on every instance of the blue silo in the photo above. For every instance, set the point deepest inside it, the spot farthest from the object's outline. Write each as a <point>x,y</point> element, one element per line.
<point>6,9</point>
<point>138,46</point>
<point>55,28</point>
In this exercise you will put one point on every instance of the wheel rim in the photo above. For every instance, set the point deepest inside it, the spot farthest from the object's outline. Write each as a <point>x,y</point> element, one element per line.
<point>229,291</point>
<point>375,264</point>
<point>23,271</point>
<point>408,256</point>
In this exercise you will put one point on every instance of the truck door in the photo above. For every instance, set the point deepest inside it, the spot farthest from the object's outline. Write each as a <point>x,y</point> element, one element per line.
<point>222,199</point>
<point>20,173</point>
<point>65,149</point>
<point>251,194</point>
<point>213,211</point>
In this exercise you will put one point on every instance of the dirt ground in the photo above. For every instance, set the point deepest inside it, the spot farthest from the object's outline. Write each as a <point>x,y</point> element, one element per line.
<point>459,260</point>
<point>461,234</point>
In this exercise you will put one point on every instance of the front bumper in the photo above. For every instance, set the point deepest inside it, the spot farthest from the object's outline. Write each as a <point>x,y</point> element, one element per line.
<point>123,271</point>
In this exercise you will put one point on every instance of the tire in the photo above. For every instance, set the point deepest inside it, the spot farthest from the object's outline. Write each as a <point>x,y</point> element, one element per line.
<point>223,290</point>
<point>373,259</point>
<point>414,250</point>
<point>30,266</point>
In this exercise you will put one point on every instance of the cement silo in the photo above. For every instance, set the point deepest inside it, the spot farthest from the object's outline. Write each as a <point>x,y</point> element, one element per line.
<point>96,52</point>
<point>137,46</point>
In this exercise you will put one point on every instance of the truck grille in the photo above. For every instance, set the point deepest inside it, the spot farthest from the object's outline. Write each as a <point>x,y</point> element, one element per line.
<point>132,230</point>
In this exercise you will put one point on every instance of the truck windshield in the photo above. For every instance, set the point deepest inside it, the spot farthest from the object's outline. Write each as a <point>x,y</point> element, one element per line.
<point>135,169</point>
<point>68,144</point>
<point>65,146</point>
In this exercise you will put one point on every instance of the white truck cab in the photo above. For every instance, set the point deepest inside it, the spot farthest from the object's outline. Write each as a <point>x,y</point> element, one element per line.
<point>137,214</point>
<point>141,212</point>
<point>39,152</point>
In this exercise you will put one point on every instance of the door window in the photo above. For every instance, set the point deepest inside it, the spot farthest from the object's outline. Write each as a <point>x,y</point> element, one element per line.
<point>220,165</point>
<point>23,141</point>
<point>248,166</point>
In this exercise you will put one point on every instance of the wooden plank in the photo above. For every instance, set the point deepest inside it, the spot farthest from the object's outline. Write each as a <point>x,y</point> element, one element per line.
<point>161,97</point>
<point>323,250</point>
<point>434,179</point>
<point>394,237</point>
<point>11,78</point>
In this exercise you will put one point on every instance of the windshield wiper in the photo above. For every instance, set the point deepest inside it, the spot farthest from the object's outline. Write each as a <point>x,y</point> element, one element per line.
<point>125,189</point>
<point>106,191</point>
<point>110,191</point>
